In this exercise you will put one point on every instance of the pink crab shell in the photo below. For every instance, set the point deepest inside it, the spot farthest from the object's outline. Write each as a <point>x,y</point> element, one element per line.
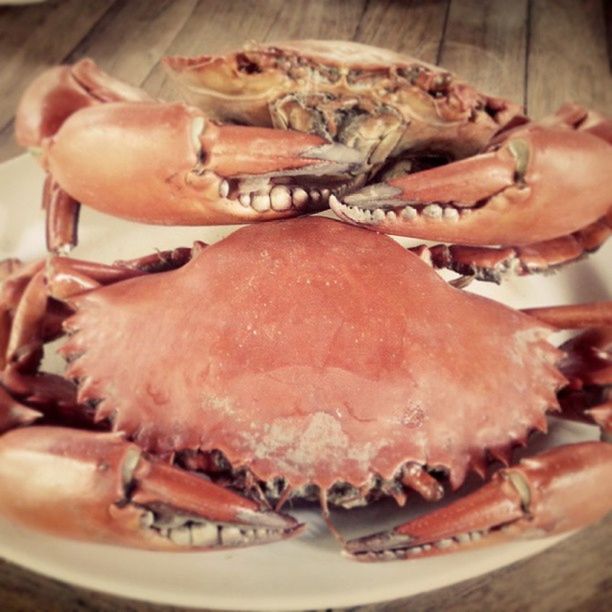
<point>313,350</point>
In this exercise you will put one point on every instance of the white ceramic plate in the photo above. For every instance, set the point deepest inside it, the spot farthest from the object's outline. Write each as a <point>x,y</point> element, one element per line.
<point>308,572</point>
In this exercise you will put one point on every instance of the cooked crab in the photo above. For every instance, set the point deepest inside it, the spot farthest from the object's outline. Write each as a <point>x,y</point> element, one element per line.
<point>296,359</point>
<point>103,141</point>
<point>538,189</point>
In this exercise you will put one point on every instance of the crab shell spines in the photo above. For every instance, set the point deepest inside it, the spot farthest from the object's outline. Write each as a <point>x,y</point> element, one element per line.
<point>315,351</point>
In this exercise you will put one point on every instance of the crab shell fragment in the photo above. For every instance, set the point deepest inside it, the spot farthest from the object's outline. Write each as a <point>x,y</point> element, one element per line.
<point>316,352</point>
<point>375,100</point>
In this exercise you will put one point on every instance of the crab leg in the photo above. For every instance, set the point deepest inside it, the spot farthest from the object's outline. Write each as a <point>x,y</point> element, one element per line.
<point>168,164</point>
<point>62,216</point>
<point>535,183</point>
<point>112,147</point>
<point>67,277</point>
<point>574,316</point>
<point>99,487</point>
<point>26,337</point>
<point>588,368</point>
<point>13,413</point>
<point>541,496</point>
<point>491,264</point>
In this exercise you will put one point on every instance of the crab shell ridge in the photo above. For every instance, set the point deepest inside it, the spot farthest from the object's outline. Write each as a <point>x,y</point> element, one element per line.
<point>312,350</point>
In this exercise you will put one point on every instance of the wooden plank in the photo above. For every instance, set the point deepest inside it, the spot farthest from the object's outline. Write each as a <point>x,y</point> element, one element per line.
<point>132,36</point>
<point>127,41</point>
<point>568,58</point>
<point>319,19</point>
<point>485,42</point>
<point>34,37</point>
<point>414,28</point>
<point>243,21</point>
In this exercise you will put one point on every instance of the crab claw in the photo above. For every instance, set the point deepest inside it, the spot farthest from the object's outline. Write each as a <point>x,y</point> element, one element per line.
<point>534,183</point>
<point>166,163</point>
<point>99,487</point>
<point>559,490</point>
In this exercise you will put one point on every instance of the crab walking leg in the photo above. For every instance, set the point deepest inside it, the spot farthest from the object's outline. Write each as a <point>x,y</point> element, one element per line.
<point>574,316</point>
<point>99,487</point>
<point>62,217</point>
<point>588,369</point>
<point>67,277</point>
<point>559,490</point>
<point>26,335</point>
<point>492,264</point>
<point>15,277</point>
<point>53,397</point>
<point>535,183</point>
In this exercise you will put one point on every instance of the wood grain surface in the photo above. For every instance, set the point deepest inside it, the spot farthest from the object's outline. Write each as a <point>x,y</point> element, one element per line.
<point>537,52</point>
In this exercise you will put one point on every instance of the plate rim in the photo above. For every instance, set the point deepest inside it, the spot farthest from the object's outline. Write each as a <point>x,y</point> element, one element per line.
<point>79,577</point>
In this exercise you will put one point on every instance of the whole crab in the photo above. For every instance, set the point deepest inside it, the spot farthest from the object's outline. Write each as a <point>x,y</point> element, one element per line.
<point>320,119</point>
<point>296,359</point>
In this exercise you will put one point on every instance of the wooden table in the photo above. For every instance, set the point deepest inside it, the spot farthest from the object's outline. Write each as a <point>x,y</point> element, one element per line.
<point>535,52</point>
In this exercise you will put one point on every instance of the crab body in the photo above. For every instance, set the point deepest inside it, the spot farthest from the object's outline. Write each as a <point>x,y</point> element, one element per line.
<point>375,100</point>
<point>344,373</point>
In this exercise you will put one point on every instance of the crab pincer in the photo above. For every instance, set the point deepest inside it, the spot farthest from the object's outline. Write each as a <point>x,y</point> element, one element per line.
<point>166,163</point>
<point>111,146</point>
<point>541,496</point>
<point>100,487</point>
<point>540,190</point>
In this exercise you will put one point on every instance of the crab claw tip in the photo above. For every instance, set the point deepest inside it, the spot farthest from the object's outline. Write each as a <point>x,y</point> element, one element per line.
<point>269,519</point>
<point>369,548</point>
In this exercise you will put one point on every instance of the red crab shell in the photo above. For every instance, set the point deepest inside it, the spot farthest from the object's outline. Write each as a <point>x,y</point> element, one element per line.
<point>313,350</point>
